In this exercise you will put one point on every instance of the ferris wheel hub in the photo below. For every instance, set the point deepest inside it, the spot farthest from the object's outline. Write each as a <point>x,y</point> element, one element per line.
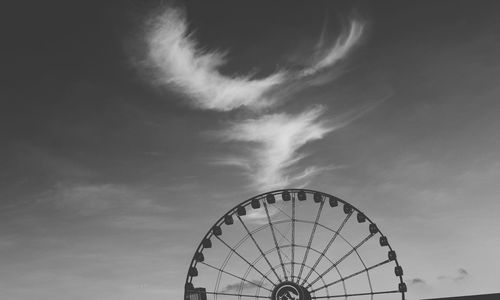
<point>290,291</point>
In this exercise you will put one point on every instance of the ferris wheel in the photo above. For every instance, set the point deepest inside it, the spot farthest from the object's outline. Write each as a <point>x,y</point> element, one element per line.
<point>294,244</point>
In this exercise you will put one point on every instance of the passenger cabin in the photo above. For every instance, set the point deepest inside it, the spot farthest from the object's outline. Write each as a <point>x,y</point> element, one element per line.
<point>196,294</point>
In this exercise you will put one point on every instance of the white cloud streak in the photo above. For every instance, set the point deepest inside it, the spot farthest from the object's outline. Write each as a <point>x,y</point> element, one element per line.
<point>343,45</point>
<point>272,143</point>
<point>180,63</point>
<point>275,140</point>
<point>259,216</point>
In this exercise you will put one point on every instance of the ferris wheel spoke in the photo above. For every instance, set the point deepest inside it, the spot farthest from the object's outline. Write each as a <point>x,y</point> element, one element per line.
<point>277,266</point>
<point>245,260</point>
<point>292,263</point>
<point>313,268</point>
<point>330,242</point>
<point>275,240</point>
<point>235,276</point>
<point>230,294</point>
<point>283,235</point>
<point>292,244</point>
<point>311,237</point>
<point>353,275</point>
<point>342,258</point>
<point>356,294</point>
<point>269,251</point>
<point>258,246</point>
<point>281,210</point>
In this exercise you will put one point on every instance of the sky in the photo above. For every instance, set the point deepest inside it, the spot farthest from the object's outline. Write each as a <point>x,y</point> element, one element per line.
<point>129,127</point>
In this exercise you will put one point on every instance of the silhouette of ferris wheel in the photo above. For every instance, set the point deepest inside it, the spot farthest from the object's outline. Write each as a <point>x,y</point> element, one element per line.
<point>294,244</point>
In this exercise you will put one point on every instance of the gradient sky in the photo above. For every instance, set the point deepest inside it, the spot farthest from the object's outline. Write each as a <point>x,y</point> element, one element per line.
<point>109,176</point>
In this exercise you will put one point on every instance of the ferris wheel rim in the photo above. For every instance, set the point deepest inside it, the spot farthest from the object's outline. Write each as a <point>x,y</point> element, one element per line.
<point>262,197</point>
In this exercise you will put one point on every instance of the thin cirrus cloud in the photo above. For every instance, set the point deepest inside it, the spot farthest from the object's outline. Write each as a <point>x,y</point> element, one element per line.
<point>273,143</point>
<point>343,45</point>
<point>179,63</point>
<point>272,140</point>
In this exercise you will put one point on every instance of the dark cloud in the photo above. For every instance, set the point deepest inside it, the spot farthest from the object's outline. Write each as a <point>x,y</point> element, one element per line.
<point>417,281</point>
<point>462,274</point>
<point>244,285</point>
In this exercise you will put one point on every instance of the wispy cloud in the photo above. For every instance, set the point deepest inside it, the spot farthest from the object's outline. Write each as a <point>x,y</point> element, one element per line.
<point>272,145</point>
<point>180,63</point>
<point>272,140</point>
<point>275,140</point>
<point>330,56</point>
<point>259,216</point>
<point>322,66</point>
<point>101,199</point>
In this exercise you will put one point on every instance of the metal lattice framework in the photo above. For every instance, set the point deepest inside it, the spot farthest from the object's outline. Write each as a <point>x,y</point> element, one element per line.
<point>294,244</point>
